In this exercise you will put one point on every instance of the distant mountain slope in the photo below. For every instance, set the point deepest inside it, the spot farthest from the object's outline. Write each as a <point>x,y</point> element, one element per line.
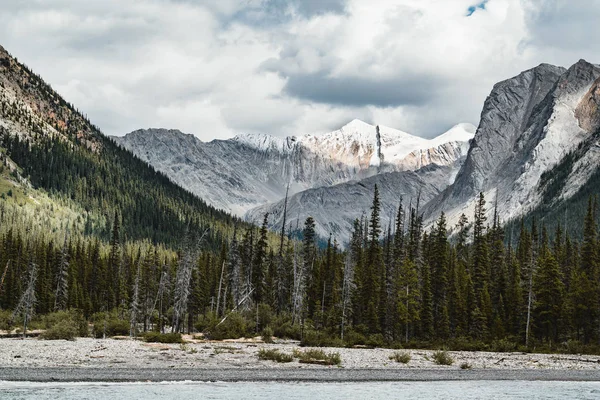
<point>528,125</point>
<point>335,208</point>
<point>254,169</point>
<point>58,150</point>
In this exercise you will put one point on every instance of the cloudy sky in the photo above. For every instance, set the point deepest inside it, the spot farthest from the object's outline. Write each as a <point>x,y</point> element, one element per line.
<point>215,68</point>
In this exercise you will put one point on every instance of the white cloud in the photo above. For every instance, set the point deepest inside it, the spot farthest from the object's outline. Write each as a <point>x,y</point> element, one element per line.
<point>289,67</point>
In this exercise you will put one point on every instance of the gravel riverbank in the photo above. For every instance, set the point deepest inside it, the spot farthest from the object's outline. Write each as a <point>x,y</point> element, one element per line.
<point>89,359</point>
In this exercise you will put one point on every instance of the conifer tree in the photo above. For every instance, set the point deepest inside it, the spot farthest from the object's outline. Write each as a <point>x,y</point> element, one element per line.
<point>549,295</point>
<point>374,268</point>
<point>258,263</point>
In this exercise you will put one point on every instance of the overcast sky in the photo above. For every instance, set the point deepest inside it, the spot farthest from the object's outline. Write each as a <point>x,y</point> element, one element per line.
<point>215,68</point>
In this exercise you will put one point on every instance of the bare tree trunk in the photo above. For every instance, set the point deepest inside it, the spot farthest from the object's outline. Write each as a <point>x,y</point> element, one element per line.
<point>26,304</point>
<point>347,288</point>
<point>4,275</point>
<point>182,282</point>
<point>529,301</point>
<point>134,302</point>
<point>219,293</point>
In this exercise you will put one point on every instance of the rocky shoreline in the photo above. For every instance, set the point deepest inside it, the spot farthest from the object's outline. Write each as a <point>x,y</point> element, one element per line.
<point>89,359</point>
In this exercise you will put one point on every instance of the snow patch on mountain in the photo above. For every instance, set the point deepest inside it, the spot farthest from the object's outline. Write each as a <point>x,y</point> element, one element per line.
<point>254,169</point>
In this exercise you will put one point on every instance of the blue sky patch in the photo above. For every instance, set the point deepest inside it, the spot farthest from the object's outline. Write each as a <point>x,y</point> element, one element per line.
<point>479,6</point>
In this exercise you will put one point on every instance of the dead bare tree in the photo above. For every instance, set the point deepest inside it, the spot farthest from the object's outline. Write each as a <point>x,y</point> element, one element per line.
<point>134,302</point>
<point>183,279</point>
<point>299,288</point>
<point>234,269</point>
<point>348,287</point>
<point>162,289</point>
<point>4,274</point>
<point>26,305</point>
<point>220,286</point>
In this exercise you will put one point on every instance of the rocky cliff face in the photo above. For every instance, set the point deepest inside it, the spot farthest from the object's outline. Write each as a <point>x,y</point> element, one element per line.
<point>529,123</point>
<point>254,169</point>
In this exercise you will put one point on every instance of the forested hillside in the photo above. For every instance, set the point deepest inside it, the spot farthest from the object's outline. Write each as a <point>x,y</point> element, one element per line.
<point>89,233</point>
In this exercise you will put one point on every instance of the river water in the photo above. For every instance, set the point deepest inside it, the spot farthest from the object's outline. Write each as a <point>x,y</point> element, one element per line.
<point>464,390</point>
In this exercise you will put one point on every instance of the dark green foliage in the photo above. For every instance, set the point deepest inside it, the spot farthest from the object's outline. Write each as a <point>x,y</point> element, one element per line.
<point>157,337</point>
<point>109,327</point>
<point>465,365</point>
<point>401,357</point>
<point>234,327</point>
<point>315,356</point>
<point>275,355</point>
<point>64,325</point>
<point>442,358</point>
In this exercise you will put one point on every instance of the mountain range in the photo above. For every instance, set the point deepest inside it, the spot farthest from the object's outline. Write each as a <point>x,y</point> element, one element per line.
<point>530,124</point>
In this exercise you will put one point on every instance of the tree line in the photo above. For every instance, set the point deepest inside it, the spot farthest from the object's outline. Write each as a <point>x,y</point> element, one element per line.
<point>394,284</point>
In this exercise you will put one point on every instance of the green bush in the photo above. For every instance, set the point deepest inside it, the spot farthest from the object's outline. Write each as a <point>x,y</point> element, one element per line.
<point>206,322</point>
<point>114,326</point>
<point>5,320</point>
<point>504,346</point>
<point>376,340</point>
<point>234,327</point>
<point>465,344</point>
<point>315,356</point>
<point>157,337</point>
<point>314,338</point>
<point>64,330</point>
<point>274,355</point>
<point>442,358</point>
<point>401,357</point>
<point>267,335</point>
<point>283,328</point>
<point>353,338</point>
<point>62,322</point>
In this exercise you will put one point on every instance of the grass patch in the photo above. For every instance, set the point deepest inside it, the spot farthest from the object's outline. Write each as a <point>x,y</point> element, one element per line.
<point>157,337</point>
<point>314,356</point>
<point>274,355</point>
<point>442,358</point>
<point>401,357</point>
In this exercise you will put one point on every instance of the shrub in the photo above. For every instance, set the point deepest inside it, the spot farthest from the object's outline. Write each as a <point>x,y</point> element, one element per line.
<point>114,326</point>
<point>320,339</point>
<point>353,338</point>
<point>465,365</point>
<point>376,340</point>
<point>157,337</point>
<point>5,320</point>
<point>64,325</point>
<point>234,327</point>
<point>442,358</point>
<point>314,356</point>
<point>283,328</point>
<point>206,322</point>
<point>401,357</point>
<point>61,331</point>
<point>504,346</point>
<point>267,335</point>
<point>274,355</point>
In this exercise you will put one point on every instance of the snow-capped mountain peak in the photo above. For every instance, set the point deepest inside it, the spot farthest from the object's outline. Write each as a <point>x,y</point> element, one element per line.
<point>254,169</point>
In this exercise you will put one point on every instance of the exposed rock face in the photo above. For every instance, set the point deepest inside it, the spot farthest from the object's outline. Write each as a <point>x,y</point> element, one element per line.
<point>254,169</point>
<point>528,124</point>
<point>587,111</point>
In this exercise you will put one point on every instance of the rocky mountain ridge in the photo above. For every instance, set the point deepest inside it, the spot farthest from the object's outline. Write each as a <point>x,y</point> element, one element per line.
<point>529,123</point>
<point>252,170</point>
